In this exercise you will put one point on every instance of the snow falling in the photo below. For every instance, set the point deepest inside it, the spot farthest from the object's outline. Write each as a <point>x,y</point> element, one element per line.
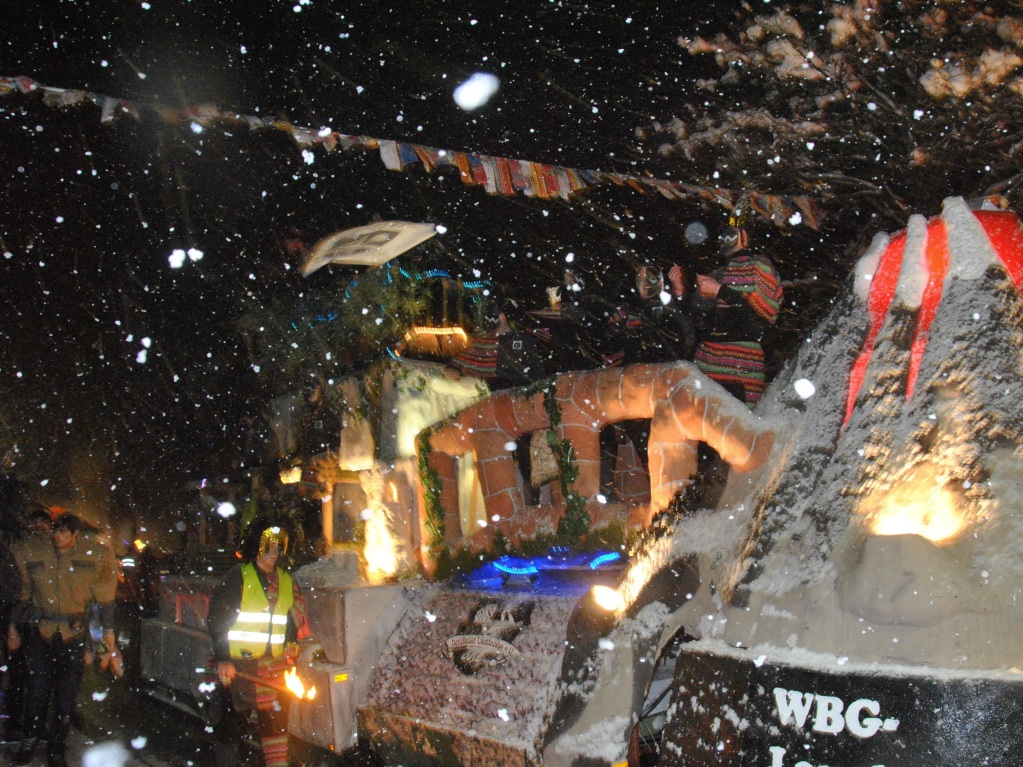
<point>169,170</point>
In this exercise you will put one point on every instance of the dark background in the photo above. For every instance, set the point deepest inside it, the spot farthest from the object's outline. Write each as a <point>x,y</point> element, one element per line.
<point>91,211</point>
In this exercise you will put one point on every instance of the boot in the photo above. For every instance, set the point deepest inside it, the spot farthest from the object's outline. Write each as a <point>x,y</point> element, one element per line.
<point>26,750</point>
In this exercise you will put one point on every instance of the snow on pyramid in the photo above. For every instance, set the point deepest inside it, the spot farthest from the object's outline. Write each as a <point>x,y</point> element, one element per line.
<point>868,604</point>
<point>859,595</point>
<point>893,497</point>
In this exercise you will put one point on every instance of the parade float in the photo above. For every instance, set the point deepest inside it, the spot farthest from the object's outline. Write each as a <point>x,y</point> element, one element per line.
<point>858,593</point>
<point>849,599</point>
<point>859,604</point>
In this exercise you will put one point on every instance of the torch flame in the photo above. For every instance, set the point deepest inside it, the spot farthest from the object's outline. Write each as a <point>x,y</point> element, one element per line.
<point>297,688</point>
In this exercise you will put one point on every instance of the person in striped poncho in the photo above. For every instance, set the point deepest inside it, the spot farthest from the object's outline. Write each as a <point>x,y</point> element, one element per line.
<point>746,298</point>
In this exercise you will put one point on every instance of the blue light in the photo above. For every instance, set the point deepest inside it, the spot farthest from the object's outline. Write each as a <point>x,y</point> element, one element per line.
<point>557,558</point>
<point>513,570</point>
<point>603,559</point>
<point>559,571</point>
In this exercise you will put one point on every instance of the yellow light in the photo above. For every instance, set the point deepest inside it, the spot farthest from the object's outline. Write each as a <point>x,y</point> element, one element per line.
<point>381,557</point>
<point>291,475</point>
<point>139,544</point>
<point>425,330</point>
<point>919,508</point>
<point>608,598</point>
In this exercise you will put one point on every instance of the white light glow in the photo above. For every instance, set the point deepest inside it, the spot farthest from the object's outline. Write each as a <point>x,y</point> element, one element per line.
<point>476,91</point>
<point>608,598</point>
<point>109,754</point>
<point>380,550</point>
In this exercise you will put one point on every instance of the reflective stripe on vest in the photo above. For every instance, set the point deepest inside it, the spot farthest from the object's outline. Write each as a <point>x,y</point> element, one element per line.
<point>256,628</point>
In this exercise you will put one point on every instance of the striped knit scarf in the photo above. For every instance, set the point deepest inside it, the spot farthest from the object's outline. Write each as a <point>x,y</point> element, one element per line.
<point>756,278</point>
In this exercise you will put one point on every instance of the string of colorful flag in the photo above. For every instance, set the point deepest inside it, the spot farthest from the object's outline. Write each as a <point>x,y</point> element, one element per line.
<point>495,175</point>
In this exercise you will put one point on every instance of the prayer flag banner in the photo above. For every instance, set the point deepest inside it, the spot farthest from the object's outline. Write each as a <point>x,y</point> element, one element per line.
<point>495,175</point>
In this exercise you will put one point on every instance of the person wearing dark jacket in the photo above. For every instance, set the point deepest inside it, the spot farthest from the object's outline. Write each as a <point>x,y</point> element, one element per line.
<point>504,357</point>
<point>255,619</point>
<point>36,534</point>
<point>660,328</point>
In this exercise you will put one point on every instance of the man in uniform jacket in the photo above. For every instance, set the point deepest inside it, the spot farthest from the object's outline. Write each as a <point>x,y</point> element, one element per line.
<point>59,583</point>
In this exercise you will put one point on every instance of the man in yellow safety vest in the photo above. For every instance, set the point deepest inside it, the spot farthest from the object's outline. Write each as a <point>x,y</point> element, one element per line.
<point>255,619</point>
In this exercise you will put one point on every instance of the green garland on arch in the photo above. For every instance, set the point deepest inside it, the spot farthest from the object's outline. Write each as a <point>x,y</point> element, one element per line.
<point>430,481</point>
<point>575,524</point>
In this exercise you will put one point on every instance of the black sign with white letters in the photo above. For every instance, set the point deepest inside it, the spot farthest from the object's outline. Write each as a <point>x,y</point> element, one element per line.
<point>741,711</point>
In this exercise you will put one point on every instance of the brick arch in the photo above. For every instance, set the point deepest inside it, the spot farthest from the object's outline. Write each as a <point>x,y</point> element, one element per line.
<point>683,405</point>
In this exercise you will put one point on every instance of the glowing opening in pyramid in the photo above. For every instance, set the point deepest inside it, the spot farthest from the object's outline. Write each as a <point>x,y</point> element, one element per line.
<point>922,507</point>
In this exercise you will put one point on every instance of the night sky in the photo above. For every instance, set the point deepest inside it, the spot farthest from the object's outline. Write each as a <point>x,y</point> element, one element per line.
<point>122,377</point>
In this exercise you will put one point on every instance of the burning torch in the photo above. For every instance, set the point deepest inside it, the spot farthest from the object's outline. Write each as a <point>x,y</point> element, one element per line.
<point>292,684</point>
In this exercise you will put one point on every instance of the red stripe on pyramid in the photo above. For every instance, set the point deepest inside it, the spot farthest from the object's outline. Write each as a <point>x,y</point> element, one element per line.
<point>936,261</point>
<point>882,290</point>
<point>1005,232</point>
